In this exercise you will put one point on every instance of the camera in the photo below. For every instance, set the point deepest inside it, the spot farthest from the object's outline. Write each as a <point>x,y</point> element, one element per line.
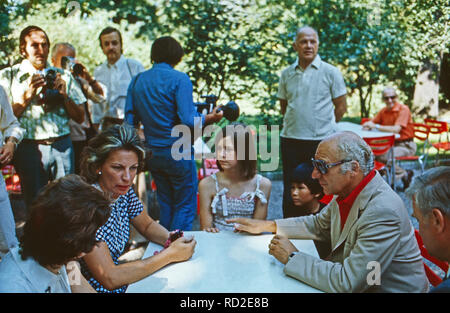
<point>68,63</point>
<point>230,110</point>
<point>207,106</point>
<point>51,98</point>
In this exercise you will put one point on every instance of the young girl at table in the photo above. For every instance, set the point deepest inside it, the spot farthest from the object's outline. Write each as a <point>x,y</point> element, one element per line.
<point>236,190</point>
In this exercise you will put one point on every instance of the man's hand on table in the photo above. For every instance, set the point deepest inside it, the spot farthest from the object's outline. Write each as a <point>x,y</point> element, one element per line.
<point>369,125</point>
<point>281,248</point>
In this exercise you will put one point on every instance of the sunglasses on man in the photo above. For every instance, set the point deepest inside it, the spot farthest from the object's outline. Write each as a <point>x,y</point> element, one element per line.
<point>323,167</point>
<point>389,97</point>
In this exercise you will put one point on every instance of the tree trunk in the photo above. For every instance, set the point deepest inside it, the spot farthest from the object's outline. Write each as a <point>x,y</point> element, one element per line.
<point>426,92</point>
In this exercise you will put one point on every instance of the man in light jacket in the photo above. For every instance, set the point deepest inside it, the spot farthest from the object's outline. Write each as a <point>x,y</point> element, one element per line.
<point>366,223</point>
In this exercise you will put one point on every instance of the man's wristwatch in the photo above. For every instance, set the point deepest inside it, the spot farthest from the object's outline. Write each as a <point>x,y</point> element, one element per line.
<point>377,126</point>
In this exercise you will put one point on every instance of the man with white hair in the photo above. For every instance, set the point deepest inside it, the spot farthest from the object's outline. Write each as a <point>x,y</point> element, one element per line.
<point>430,193</point>
<point>312,96</point>
<point>366,224</point>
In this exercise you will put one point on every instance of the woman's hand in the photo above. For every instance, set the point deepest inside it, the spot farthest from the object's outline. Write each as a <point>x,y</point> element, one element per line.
<point>182,249</point>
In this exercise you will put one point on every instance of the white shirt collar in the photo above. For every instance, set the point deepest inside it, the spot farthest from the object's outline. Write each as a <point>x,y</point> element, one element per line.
<point>315,63</point>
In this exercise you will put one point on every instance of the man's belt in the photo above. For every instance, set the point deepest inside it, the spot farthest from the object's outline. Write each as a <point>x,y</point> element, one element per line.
<point>47,141</point>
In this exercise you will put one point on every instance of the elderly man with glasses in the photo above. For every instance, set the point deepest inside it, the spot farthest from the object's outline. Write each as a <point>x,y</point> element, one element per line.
<point>366,224</point>
<point>396,118</point>
<point>430,194</point>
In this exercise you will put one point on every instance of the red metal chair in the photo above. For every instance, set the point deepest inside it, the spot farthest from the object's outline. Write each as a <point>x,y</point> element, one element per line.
<point>440,128</point>
<point>209,167</point>
<point>364,119</point>
<point>421,132</point>
<point>12,180</point>
<point>434,278</point>
<point>380,146</point>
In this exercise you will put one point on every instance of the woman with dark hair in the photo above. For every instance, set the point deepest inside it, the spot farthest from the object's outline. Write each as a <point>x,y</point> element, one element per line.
<point>60,228</point>
<point>110,162</point>
<point>160,99</point>
<point>236,190</point>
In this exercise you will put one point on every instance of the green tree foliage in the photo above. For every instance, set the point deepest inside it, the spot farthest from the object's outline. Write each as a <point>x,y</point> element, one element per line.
<point>236,49</point>
<point>375,42</point>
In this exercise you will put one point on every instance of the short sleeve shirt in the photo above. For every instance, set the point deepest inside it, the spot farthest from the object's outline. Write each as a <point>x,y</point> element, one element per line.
<point>115,233</point>
<point>37,123</point>
<point>309,94</point>
<point>398,115</point>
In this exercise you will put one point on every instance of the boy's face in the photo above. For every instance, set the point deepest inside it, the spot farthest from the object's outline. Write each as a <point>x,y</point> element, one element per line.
<point>301,194</point>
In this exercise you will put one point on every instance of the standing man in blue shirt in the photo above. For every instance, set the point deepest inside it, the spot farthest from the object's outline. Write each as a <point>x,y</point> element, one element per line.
<point>161,98</point>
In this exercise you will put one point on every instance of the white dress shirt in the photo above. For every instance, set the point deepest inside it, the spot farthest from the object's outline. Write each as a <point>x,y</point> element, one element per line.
<point>115,80</point>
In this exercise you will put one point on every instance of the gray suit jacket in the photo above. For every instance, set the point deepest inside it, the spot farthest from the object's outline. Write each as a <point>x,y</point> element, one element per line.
<point>377,229</point>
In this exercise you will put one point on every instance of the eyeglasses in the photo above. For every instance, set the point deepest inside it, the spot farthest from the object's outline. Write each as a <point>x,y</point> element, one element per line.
<point>323,167</point>
<point>389,97</point>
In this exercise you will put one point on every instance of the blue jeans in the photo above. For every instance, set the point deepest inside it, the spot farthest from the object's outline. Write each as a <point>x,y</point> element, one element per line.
<point>176,189</point>
<point>38,164</point>
<point>8,237</point>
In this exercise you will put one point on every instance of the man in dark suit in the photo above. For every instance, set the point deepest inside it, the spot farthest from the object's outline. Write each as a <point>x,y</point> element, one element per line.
<point>430,194</point>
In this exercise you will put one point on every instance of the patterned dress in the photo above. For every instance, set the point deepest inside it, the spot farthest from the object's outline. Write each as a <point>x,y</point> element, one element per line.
<point>115,233</point>
<point>226,207</point>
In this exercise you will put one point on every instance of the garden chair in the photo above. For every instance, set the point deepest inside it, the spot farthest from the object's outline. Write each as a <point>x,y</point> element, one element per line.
<point>421,132</point>
<point>441,128</point>
<point>379,146</point>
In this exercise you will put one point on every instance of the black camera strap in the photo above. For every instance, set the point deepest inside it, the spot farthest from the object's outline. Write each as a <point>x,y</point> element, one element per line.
<point>133,91</point>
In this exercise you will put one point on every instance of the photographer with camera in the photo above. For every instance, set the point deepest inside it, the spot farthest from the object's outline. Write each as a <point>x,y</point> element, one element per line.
<point>44,98</point>
<point>63,56</point>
